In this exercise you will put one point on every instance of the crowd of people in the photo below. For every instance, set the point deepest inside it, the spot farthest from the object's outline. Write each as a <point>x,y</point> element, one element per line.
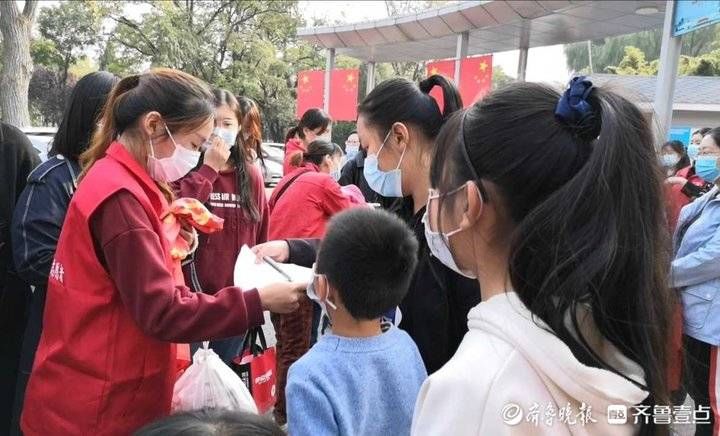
<point>470,267</point>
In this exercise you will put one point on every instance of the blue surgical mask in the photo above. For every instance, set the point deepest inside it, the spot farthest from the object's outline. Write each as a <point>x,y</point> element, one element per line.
<point>335,174</point>
<point>385,183</point>
<point>227,135</point>
<point>693,150</point>
<point>706,167</point>
<point>670,160</point>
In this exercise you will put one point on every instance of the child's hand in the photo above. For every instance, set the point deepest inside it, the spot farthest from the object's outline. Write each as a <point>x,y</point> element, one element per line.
<point>279,251</point>
<point>282,297</point>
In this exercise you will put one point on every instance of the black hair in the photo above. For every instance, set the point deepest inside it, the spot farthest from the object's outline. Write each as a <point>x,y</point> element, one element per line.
<point>701,131</point>
<point>210,422</point>
<point>240,159</point>
<point>400,100</point>
<point>714,134</point>
<point>584,234</point>
<point>312,119</point>
<point>369,257</point>
<point>679,148</point>
<point>316,152</point>
<point>82,114</point>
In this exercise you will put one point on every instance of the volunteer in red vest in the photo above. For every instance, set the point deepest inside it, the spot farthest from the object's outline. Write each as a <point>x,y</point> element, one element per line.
<point>300,207</point>
<point>106,360</point>
<point>314,124</point>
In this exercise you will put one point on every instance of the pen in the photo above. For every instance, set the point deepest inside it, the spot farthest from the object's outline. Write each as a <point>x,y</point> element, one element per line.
<point>277,268</point>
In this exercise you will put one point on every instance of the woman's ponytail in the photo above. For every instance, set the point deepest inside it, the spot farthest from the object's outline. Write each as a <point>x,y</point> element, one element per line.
<point>452,101</point>
<point>296,159</point>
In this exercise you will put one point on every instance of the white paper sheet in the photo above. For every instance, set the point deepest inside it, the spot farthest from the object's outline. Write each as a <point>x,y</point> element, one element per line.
<point>249,275</point>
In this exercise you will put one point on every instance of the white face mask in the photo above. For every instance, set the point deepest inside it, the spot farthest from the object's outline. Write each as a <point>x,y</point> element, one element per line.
<point>227,135</point>
<point>313,296</point>
<point>439,243</point>
<point>175,167</point>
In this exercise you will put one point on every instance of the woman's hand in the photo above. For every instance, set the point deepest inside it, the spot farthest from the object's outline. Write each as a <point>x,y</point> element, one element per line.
<point>217,154</point>
<point>278,251</point>
<point>282,297</point>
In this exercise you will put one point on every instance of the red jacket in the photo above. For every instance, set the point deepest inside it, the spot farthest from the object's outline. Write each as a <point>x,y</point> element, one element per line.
<point>292,147</point>
<point>305,204</point>
<point>676,199</point>
<point>105,363</point>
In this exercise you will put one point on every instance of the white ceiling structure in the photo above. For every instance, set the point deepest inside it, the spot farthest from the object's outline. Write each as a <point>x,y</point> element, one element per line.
<point>493,26</point>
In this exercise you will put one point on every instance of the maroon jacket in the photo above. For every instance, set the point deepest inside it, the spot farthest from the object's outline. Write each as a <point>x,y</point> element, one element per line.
<point>214,260</point>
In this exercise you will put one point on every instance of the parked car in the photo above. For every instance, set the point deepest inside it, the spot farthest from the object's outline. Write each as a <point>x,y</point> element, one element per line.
<point>273,155</point>
<point>41,138</point>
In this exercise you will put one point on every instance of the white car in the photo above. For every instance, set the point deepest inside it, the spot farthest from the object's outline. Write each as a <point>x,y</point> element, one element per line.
<point>41,139</point>
<point>273,156</point>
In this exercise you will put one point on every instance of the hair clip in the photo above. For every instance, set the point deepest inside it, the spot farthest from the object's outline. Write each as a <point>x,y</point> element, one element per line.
<point>573,107</point>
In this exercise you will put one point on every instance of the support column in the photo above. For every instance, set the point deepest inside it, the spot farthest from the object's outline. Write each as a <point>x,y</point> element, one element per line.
<point>370,82</point>
<point>524,49</point>
<point>329,65</point>
<point>461,51</point>
<point>667,74</point>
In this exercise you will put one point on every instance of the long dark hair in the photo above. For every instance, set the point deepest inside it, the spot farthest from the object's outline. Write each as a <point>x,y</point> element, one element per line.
<point>400,100</point>
<point>316,152</point>
<point>679,148</point>
<point>251,121</point>
<point>240,159</point>
<point>586,205</point>
<point>81,114</point>
<point>312,119</point>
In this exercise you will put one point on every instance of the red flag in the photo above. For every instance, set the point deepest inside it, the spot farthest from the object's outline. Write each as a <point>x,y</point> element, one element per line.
<point>310,88</point>
<point>344,94</point>
<point>475,78</point>
<point>445,68</point>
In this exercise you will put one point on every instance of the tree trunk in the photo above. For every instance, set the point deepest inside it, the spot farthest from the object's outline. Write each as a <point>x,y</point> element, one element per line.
<point>16,61</point>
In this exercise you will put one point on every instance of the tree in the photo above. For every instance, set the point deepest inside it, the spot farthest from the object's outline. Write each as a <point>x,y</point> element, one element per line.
<point>610,51</point>
<point>248,47</point>
<point>69,41</point>
<point>634,64</point>
<point>500,77</point>
<point>16,61</point>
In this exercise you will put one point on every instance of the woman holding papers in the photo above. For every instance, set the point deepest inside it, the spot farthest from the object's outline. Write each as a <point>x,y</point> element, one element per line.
<point>106,363</point>
<point>234,191</point>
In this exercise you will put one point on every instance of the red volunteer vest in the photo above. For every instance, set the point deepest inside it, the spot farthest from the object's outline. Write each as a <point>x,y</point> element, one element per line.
<point>96,372</point>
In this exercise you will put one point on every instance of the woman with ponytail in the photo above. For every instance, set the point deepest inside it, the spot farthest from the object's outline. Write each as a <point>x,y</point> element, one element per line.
<point>398,123</point>
<point>572,260</point>
<point>234,191</point>
<point>115,301</point>
<point>314,124</point>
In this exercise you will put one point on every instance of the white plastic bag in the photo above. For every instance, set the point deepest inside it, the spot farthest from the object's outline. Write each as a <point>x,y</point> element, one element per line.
<point>210,384</point>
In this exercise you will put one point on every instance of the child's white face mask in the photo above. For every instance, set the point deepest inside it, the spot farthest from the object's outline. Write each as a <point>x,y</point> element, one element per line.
<point>313,296</point>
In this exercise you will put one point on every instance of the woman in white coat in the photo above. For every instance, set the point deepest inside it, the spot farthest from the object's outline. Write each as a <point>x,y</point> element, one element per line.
<point>561,222</point>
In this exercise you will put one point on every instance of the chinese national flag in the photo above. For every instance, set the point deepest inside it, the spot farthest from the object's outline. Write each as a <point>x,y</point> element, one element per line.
<point>475,78</point>
<point>310,88</point>
<point>344,94</point>
<point>444,68</point>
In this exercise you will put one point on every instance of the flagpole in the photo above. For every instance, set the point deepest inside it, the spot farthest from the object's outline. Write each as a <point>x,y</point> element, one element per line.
<point>330,63</point>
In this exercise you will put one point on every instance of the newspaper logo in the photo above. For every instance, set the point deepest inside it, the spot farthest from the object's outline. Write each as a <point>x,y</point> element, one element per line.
<point>512,414</point>
<point>617,414</point>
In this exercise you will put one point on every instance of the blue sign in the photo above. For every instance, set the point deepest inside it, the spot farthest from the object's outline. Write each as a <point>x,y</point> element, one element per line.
<point>681,134</point>
<point>691,15</point>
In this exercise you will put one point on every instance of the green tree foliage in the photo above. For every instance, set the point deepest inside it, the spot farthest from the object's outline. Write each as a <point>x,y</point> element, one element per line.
<point>610,51</point>
<point>248,47</point>
<point>634,64</point>
<point>500,77</point>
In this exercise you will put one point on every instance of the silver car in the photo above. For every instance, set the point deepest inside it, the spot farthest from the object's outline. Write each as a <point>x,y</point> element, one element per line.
<point>273,156</point>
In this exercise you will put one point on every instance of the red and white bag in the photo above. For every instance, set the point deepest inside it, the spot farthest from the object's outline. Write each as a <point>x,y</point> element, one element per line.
<point>256,367</point>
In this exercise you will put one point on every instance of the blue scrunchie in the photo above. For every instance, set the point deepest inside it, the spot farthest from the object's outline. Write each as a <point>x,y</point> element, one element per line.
<point>573,108</point>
